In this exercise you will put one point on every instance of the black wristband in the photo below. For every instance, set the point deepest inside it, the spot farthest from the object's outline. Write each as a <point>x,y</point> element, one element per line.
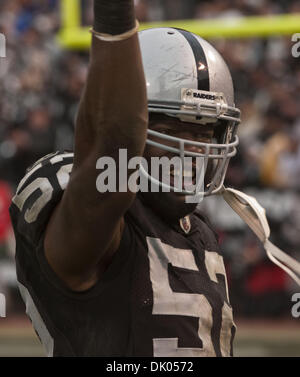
<point>114,16</point>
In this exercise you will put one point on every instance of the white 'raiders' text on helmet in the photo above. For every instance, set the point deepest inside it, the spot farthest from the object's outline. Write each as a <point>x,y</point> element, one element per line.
<point>188,79</point>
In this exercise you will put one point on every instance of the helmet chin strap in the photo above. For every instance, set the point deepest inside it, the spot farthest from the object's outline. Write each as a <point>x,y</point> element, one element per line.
<point>254,216</point>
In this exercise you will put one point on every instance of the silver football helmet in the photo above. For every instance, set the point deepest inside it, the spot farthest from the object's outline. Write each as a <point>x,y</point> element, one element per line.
<point>188,79</point>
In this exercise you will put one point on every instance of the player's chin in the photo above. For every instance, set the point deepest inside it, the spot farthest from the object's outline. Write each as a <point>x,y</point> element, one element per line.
<point>181,205</point>
<point>170,206</point>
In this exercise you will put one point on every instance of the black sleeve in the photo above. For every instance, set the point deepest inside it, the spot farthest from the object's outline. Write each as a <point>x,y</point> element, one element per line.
<point>68,323</point>
<point>38,194</point>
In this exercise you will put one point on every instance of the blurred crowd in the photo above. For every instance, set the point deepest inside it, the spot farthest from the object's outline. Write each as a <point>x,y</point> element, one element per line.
<point>41,85</point>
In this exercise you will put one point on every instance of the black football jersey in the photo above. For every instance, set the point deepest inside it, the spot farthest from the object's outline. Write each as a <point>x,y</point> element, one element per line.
<point>163,295</point>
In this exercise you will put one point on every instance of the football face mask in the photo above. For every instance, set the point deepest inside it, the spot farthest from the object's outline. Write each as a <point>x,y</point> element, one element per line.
<point>188,79</point>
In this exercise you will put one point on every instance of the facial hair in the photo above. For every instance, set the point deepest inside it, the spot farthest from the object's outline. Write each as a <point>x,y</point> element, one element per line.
<point>168,205</point>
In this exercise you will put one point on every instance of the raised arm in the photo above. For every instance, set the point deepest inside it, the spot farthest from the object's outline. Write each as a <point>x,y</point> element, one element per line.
<point>86,227</point>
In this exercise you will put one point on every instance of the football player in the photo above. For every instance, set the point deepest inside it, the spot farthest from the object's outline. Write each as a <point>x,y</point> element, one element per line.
<point>120,274</point>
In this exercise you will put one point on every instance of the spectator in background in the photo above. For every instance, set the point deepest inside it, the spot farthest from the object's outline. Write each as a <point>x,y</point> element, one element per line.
<point>280,159</point>
<point>5,224</point>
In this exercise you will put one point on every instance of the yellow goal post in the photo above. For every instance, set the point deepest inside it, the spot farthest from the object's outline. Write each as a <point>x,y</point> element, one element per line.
<point>73,35</point>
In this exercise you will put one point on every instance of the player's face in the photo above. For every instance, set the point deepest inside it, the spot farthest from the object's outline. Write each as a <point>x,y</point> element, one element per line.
<point>170,204</point>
